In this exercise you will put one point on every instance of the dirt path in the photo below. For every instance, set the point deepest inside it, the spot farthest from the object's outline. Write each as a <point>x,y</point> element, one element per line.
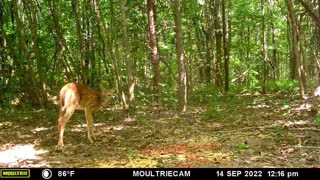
<point>237,131</point>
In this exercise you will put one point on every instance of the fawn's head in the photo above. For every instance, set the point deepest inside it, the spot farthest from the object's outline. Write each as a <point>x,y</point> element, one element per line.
<point>107,94</point>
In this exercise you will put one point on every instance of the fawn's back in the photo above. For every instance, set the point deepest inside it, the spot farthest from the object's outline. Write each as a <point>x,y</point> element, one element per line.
<point>80,96</point>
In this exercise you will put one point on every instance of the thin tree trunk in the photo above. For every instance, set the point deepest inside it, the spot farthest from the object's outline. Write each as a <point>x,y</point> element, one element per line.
<point>226,37</point>
<point>318,48</point>
<point>315,18</point>
<point>106,42</point>
<point>275,73</point>
<point>295,49</point>
<point>126,54</point>
<point>153,47</point>
<point>30,89</point>
<point>34,36</point>
<point>62,44</point>
<point>89,53</point>
<point>3,56</point>
<point>84,73</point>
<point>115,61</point>
<point>264,48</point>
<point>11,51</point>
<point>218,37</point>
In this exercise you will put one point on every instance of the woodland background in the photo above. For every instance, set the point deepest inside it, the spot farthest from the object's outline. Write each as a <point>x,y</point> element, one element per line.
<point>222,64</point>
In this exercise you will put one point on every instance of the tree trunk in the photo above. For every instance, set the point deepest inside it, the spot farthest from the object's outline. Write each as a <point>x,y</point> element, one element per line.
<point>274,55</point>
<point>226,37</point>
<point>182,80</point>
<point>295,50</point>
<point>84,72</point>
<point>39,60</point>
<point>314,17</point>
<point>264,48</point>
<point>153,47</point>
<point>62,44</point>
<point>5,75</point>
<point>216,13</point>
<point>318,48</point>
<point>126,54</point>
<point>89,48</point>
<point>106,42</point>
<point>115,60</point>
<point>29,83</point>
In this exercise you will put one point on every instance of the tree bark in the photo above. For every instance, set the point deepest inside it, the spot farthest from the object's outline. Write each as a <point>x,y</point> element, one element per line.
<point>153,47</point>
<point>182,80</point>
<point>264,48</point>
<point>216,13</point>
<point>295,50</point>
<point>226,36</point>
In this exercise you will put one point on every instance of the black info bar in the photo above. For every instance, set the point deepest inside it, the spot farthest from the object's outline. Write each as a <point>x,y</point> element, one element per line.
<point>160,173</point>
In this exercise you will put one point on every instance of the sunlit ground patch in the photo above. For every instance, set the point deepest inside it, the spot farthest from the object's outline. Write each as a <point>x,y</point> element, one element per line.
<point>19,155</point>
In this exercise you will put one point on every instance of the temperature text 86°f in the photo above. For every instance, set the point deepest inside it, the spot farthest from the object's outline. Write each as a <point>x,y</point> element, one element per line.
<point>66,173</point>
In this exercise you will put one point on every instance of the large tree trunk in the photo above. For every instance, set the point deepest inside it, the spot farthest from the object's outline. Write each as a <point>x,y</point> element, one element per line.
<point>182,80</point>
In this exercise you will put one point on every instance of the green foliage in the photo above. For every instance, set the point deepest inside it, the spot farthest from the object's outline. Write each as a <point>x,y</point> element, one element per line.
<point>217,103</point>
<point>61,58</point>
<point>168,96</point>
<point>276,128</point>
<point>213,113</point>
<point>204,94</point>
<point>284,102</point>
<point>132,153</point>
<point>241,146</point>
<point>317,120</point>
<point>177,120</point>
<point>284,85</point>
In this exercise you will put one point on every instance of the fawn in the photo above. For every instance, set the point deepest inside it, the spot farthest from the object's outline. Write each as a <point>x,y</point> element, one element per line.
<point>78,96</point>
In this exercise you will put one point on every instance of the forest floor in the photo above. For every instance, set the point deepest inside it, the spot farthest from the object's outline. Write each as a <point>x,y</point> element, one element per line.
<point>243,130</point>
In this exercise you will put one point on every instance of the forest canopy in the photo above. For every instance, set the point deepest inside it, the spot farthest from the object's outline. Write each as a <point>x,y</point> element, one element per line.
<point>166,49</point>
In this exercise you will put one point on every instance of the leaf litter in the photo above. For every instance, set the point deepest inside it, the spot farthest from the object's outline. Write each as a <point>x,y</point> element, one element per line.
<point>245,131</point>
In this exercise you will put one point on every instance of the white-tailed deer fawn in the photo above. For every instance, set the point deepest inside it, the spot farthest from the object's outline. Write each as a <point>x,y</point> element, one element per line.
<point>77,96</point>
